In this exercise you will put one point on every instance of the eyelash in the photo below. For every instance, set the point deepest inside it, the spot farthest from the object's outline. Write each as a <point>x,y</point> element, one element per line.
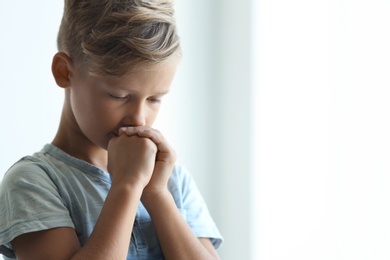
<point>153,100</point>
<point>118,98</point>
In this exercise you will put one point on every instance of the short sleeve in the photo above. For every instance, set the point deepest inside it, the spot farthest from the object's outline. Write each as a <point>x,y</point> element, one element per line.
<point>29,202</point>
<point>192,206</point>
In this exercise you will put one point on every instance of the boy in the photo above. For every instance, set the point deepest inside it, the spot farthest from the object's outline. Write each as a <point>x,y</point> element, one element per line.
<point>107,187</point>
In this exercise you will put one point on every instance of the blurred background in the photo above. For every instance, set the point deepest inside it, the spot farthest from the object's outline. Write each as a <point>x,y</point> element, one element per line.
<point>280,109</point>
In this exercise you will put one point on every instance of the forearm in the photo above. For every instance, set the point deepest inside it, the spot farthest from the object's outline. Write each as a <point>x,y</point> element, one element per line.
<point>175,236</point>
<point>110,238</point>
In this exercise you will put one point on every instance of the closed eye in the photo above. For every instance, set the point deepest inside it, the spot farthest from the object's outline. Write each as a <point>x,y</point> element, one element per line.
<point>118,97</point>
<point>155,100</point>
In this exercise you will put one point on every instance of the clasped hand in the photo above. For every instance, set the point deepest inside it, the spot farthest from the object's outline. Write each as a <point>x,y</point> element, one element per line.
<point>141,156</point>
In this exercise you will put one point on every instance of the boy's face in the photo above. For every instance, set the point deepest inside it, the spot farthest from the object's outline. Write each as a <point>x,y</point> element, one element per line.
<point>101,105</point>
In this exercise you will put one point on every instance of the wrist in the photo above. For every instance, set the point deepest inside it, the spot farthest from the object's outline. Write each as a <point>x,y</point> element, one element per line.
<point>155,198</point>
<point>128,188</point>
<point>130,179</point>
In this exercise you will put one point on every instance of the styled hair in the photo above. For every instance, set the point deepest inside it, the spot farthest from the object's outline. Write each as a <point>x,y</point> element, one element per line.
<point>114,37</point>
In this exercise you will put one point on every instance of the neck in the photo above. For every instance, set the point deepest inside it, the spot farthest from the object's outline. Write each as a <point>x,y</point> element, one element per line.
<point>71,140</point>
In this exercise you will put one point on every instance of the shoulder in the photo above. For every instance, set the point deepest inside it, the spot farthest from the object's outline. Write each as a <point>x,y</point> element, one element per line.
<point>30,201</point>
<point>183,187</point>
<point>180,178</point>
<point>180,172</point>
<point>32,178</point>
<point>28,168</point>
<point>27,178</point>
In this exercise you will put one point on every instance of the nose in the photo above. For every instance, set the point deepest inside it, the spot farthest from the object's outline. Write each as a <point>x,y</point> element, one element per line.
<point>135,115</point>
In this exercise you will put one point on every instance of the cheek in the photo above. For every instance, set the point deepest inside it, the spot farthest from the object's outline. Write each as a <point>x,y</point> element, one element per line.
<point>93,115</point>
<point>107,117</point>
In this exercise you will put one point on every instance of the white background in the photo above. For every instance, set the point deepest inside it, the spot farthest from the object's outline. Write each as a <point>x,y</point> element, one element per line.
<point>280,109</point>
<point>323,129</point>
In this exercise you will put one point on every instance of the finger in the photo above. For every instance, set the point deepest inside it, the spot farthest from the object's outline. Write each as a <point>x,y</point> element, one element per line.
<point>148,132</point>
<point>129,130</point>
<point>156,137</point>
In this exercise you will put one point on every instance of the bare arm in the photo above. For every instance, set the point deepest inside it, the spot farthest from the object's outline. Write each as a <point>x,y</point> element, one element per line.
<point>176,238</point>
<point>110,238</point>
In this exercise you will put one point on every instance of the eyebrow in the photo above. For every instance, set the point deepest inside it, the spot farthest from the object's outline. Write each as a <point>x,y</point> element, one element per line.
<point>163,93</point>
<point>124,89</point>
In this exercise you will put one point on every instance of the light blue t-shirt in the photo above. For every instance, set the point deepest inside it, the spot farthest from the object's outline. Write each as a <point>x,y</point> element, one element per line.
<point>52,189</point>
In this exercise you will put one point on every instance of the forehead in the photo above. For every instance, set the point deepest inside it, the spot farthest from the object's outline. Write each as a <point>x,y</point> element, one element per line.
<point>159,76</point>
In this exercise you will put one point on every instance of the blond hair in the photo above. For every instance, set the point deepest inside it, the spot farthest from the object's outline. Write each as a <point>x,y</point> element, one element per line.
<point>113,37</point>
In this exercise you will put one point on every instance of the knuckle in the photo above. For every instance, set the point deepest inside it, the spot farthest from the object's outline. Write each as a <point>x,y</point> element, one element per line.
<point>149,144</point>
<point>147,131</point>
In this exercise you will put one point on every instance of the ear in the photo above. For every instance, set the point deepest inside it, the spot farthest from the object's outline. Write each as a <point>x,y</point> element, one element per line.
<point>61,68</point>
